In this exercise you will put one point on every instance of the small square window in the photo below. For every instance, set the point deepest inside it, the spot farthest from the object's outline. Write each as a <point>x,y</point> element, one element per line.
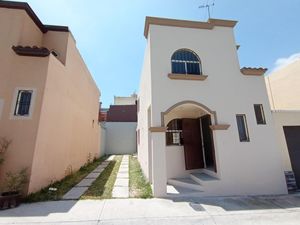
<point>242,128</point>
<point>22,107</point>
<point>259,113</point>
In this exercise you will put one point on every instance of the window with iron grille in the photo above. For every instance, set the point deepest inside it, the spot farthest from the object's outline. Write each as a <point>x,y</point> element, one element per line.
<point>23,103</point>
<point>186,62</point>
<point>259,114</point>
<point>174,132</point>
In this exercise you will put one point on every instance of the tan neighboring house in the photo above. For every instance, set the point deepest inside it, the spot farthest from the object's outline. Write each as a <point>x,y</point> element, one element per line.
<point>283,87</point>
<point>48,99</point>
<point>205,126</point>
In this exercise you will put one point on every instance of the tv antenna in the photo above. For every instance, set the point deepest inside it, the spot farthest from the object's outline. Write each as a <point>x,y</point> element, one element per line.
<point>208,8</point>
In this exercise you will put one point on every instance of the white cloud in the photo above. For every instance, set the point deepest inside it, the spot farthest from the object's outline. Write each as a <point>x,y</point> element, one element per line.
<point>283,62</point>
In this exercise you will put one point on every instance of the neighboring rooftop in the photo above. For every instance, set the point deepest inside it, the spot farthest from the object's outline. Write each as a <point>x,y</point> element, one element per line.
<point>210,24</point>
<point>25,6</point>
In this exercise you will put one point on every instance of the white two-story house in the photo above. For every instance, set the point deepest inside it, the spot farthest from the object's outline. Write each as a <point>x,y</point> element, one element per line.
<point>204,123</point>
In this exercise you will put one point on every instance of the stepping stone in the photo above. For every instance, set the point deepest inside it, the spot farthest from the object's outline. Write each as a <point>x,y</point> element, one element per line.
<point>121,170</point>
<point>92,175</point>
<point>85,183</point>
<point>123,175</point>
<point>120,192</point>
<point>98,170</point>
<point>121,182</point>
<point>75,193</point>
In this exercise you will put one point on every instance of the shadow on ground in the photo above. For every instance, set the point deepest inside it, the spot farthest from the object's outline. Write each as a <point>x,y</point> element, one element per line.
<point>242,203</point>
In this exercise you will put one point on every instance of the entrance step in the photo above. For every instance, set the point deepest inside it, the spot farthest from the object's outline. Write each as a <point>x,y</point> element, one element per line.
<point>202,178</point>
<point>174,191</point>
<point>185,183</point>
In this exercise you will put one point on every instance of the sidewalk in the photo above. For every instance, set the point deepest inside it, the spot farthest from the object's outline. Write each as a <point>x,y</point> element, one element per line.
<point>283,210</point>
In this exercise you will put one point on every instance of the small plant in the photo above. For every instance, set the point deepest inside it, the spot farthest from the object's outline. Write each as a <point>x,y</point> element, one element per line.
<point>89,158</point>
<point>4,144</point>
<point>69,170</point>
<point>15,182</point>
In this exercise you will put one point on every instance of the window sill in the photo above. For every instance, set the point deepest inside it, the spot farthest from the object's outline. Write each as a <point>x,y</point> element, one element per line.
<point>177,76</point>
<point>220,127</point>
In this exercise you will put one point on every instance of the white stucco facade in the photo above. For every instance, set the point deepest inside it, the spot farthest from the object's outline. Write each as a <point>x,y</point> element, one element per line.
<point>253,167</point>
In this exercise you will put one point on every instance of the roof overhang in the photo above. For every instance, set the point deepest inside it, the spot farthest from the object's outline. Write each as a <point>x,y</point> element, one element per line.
<point>25,6</point>
<point>210,24</point>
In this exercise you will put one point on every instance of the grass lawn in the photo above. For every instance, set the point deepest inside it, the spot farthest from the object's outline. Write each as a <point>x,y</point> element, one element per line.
<point>64,185</point>
<point>139,187</point>
<point>103,185</point>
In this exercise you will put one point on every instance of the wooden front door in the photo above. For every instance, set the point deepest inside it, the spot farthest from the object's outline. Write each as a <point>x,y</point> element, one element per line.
<point>192,144</point>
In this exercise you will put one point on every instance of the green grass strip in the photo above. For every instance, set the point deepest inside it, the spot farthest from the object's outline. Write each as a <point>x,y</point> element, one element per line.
<point>139,187</point>
<point>64,185</point>
<point>103,185</point>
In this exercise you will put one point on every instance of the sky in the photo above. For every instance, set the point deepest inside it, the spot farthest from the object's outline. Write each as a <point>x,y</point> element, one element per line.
<point>109,33</point>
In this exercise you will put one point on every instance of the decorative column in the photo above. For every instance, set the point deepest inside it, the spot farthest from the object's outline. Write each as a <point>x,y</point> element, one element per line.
<point>159,173</point>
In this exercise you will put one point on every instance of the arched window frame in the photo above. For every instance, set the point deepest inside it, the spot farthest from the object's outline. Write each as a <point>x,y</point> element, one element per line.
<point>186,63</point>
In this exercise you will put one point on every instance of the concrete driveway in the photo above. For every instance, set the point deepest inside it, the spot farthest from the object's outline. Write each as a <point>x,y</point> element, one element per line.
<point>205,211</point>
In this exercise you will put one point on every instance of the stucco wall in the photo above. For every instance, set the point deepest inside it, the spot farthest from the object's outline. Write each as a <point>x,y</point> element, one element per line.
<point>283,87</point>
<point>285,118</point>
<point>144,114</point>
<point>62,130</point>
<point>18,29</point>
<point>70,117</point>
<point>102,139</point>
<point>253,167</point>
<point>120,138</point>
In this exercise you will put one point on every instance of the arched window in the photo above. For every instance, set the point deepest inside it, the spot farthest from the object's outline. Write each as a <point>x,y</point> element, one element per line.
<point>174,132</point>
<point>185,61</point>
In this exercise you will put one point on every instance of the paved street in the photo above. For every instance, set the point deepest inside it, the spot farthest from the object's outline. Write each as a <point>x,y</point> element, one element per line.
<point>206,211</point>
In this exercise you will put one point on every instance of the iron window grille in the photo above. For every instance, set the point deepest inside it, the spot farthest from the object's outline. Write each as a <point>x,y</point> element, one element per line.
<point>174,134</point>
<point>186,62</point>
<point>23,103</point>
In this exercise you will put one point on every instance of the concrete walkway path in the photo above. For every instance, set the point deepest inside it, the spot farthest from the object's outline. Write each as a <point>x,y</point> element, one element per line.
<point>121,186</point>
<point>77,191</point>
<point>280,210</point>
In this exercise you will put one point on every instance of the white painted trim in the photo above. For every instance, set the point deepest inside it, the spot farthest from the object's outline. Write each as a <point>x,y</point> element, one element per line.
<point>14,100</point>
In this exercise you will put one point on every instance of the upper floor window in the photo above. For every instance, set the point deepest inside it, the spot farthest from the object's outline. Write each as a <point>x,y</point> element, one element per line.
<point>23,103</point>
<point>186,62</point>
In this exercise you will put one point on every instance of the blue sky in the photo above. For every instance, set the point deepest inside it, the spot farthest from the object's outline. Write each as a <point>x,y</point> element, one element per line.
<point>109,34</point>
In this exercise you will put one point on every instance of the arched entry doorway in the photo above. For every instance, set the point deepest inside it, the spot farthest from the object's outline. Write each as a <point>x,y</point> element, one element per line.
<point>188,125</point>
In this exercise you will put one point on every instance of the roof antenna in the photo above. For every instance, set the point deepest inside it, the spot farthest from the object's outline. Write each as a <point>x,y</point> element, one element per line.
<point>208,8</point>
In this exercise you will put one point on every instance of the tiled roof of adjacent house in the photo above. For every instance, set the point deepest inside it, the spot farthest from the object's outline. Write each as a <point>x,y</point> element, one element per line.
<point>253,71</point>
<point>25,6</point>
<point>31,51</point>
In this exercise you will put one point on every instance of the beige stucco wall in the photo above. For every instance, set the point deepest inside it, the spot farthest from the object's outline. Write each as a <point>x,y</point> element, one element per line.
<point>71,103</point>
<point>253,167</point>
<point>63,130</point>
<point>285,118</point>
<point>30,72</point>
<point>283,87</point>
